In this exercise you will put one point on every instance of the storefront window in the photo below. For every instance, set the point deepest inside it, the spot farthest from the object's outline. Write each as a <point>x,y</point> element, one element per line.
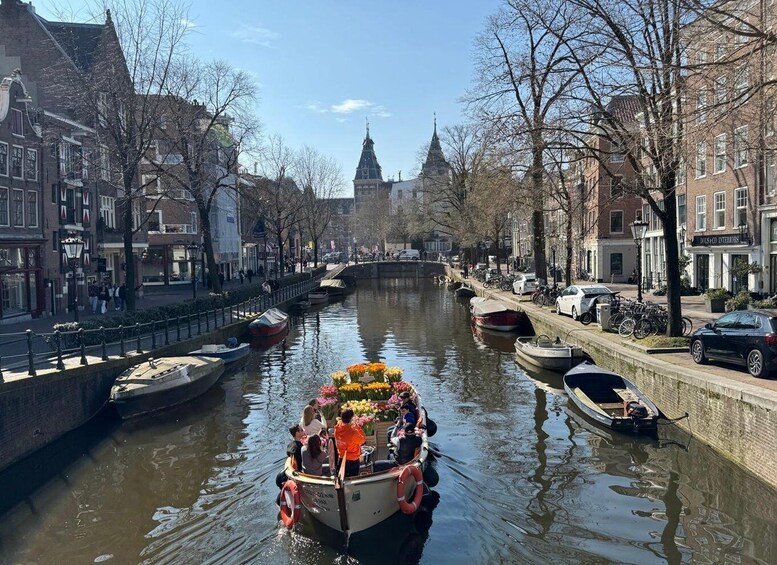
<point>153,264</point>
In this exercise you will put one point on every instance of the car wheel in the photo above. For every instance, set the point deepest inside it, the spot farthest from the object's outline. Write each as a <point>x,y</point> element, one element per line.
<point>574,313</point>
<point>755,363</point>
<point>697,352</point>
<point>558,308</point>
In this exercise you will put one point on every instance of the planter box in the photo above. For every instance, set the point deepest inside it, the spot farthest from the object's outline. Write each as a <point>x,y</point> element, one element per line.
<point>715,305</point>
<point>371,440</point>
<point>381,429</point>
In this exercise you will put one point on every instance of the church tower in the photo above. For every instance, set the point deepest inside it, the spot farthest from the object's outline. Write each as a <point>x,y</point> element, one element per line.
<point>435,165</point>
<point>368,181</point>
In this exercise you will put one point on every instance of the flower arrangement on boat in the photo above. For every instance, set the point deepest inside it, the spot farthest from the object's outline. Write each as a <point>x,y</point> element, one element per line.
<point>378,391</point>
<point>366,423</point>
<point>328,391</point>
<point>356,371</point>
<point>360,407</point>
<point>339,378</point>
<point>393,374</point>
<point>351,391</point>
<point>328,406</point>
<point>402,386</point>
<point>376,370</point>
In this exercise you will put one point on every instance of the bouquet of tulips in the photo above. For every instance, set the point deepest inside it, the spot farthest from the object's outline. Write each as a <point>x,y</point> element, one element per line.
<point>328,407</point>
<point>356,371</point>
<point>377,391</point>
<point>360,407</point>
<point>376,370</point>
<point>393,374</point>
<point>328,391</point>
<point>366,423</point>
<point>402,386</point>
<point>339,378</point>
<point>351,391</point>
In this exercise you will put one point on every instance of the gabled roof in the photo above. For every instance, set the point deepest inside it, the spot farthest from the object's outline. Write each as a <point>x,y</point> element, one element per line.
<point>368,168</point>
<point>435,159</point>
<point>78,41</point>
<point>624,107</point>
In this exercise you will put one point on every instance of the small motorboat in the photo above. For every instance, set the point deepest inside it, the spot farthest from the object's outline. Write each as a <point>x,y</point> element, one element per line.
<point>610,399</point>
<point>546,353</point>
<point>318,297</point>
<point>300,306</point>
<point>161,383</point>
<point>464,291</point>
<point>272,322</point>
<point>333,287</point>
<point>494,315</point>
<point>229,352</point>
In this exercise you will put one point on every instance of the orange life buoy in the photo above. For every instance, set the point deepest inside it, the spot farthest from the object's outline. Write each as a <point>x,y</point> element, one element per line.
<point>291,506</point>
<point>404,505</point>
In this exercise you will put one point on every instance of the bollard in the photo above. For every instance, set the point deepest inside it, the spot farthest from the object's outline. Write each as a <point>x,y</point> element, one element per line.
<point>189,324</point>
<point>178,328</point>
<point>153,335</point>
<point>122,353</point>
<point>167,337</point>
<point>30,356</point>
<point>215,319</point>
<point>137,334</point>
<point>60,363</point>
<point>105,347</point>
<point>83,346</point>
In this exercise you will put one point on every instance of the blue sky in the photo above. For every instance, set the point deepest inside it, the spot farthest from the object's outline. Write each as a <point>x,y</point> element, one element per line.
<point>323,66</point>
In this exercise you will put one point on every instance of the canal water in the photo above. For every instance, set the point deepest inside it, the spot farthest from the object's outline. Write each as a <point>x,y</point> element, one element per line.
<point>523,477</point>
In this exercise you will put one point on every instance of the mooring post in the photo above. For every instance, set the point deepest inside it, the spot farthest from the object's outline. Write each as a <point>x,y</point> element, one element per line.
<point>60,363</point>
<point>30,356</point>
<point>137,334</point>
<point>82,339</point>
<point>122,353</point>
<point>105,347</point>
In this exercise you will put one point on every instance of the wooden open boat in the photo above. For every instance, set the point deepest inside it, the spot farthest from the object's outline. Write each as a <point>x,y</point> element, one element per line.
<point>224,352</point>
<point>494,315</point>
<point>318,297</point>
<point>464,291</point>
<point>610,399</point>
<point>546,353</point>
<point>161,383</point>
<point>271,322</point>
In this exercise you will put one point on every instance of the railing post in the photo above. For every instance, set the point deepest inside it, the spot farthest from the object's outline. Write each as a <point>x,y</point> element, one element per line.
<point>207,321</point>
<point>83,346</point>
<point>223,316</point>
<point>199,323</point>
<point>122,353</point>
<point>137,334</point>
<point>60,363</point>
<point>167,335</point>
<point>189,323</point>
<point>105,347</point>
<point>30,356</point>
<point>215,318</point>
<point>1,369</point>
<point>153,335</point>
<point>177,328</point>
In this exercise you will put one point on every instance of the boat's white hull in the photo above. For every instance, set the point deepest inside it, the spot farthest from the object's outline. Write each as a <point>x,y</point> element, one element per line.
<point>551,358</point>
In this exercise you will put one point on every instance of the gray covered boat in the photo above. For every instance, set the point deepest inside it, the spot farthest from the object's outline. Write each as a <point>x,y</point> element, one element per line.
<point>546,353</point>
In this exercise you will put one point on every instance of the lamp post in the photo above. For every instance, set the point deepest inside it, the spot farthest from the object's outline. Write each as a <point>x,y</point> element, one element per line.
<point>73,247</point>
<point>744,237</point>
<point>355,251</point>
<point>553,259</point>
<point>194,256</point>
<point>638,229</point>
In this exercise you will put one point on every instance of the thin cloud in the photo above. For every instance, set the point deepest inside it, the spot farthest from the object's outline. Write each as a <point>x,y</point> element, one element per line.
<point>349,106</point>
<point>256,35</point>
<point>188,24</point>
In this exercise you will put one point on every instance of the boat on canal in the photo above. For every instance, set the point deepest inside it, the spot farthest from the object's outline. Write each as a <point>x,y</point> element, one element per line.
<point>546,353</point>
<point>358,503</point>
<point>318,297</point>
<point>494,315</point>
<point>270,323</point>
<point>333,287</point>
<point>464,291</point>
<point>610,399</point>
<point>161,383</point>
<point>229,352</point>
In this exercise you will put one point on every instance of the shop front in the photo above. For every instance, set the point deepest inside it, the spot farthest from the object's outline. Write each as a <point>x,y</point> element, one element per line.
<point>716,257</point>
<point>21,282</point>
<point>167,264</point>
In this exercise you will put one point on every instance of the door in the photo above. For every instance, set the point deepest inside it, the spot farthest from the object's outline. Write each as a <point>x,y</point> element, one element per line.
<point>737,283</point>
<point>720,342</point>
<point>773,271</point>
<point>702,272</point>
<point>747,332</point>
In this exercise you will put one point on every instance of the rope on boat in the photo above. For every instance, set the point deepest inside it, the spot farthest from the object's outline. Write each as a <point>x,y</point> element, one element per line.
<point>668,421</point>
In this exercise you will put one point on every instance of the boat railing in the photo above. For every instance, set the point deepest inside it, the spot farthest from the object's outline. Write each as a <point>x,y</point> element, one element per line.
<point>32,351</point>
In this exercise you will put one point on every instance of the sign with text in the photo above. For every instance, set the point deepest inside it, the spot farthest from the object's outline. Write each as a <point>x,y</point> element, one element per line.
<point>717,240</point>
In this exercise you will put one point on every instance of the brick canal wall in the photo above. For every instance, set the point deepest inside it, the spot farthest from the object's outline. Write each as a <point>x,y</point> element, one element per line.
<point>736,419</point>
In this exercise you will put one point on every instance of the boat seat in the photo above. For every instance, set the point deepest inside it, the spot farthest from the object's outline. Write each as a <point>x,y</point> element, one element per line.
<point>612,406</point>
<point>626,394</point>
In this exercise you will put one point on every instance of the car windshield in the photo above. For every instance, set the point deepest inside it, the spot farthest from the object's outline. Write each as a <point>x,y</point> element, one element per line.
<point>595,290</point>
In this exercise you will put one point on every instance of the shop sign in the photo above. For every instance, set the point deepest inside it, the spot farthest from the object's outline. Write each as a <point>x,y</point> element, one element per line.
<point>717,240</point>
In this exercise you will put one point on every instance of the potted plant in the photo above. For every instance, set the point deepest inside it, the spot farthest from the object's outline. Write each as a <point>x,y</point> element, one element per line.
<point>715,299</point>
<point>739,302</point>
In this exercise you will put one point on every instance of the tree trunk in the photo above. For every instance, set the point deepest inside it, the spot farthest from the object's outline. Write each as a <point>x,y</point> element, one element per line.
<point>207,238</point>
<point>129,257</point>
<point>315,253</point>
<point>674,326</point>
<point>538,214</point>
<point>280,266</point>
<point>568,262</point>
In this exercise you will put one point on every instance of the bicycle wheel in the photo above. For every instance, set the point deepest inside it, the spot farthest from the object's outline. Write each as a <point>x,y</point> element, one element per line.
<point>642,328</point>
<point>626,327</point>
<point>687,326</point>
<point>616,319</point>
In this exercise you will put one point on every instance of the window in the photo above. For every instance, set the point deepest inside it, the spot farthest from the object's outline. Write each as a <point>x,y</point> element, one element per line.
<point>102,108</point>
<point>31,165</point>
<point>17,160</point>
<point>680,173</point>
<point>701,160</point>
<point>741,80</point>
<point>740,205</point>
<point>193,221</point>
<point>105,164</point>
<point>681,209</point>
<point>32,209</point>
<point>136,215</point>
<point>616,221</point>
<point>719,211</point>
<point>4,159</point>
<point>740,147</point>
<point>17,208</point>
<point>701,107</point>
<point>720,153</point>
<point>701,213</point>
<point>617,154</point>
<point>769,165</point>
<point>769,107</point>
<point>17,122</point>
<point>54,193</point>
<point>154,220</point>
<point>701,57</point>
<point>151,185</point>
<point>616,186</point>
<point>616,263</point>
<point>720,50</point>
<point>55,241</point>
<point>108,211</point>
<point>3,207</point>
<point>72,162</point>
<point>720,91</point>
<point>742,36</point>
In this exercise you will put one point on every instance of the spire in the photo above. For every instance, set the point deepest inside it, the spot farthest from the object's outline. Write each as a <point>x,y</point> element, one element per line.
<point>435,126</point>
<point>367,119</point>
<point>368,168</point>
<point>435,163</point>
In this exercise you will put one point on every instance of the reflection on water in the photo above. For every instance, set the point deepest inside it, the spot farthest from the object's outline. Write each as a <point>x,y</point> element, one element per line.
<point>523,476</point>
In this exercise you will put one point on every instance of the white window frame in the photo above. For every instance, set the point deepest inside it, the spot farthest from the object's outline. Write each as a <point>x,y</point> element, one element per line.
<point>7,191</point>
<point>684,206</point>
<point>17,114</point>
<point>720,90</point>
<point>741,79</point>
<point>770,165</point>
<point>701,213</point>
<point>701,160</point>
<point>7,160</point>
<point>105,163</point>
<point>158,214</point>
<point>741,200</point>
<point>701,107</point>
<point>719,210</point>
<point>108,211</point>
<point>10,162</point>
<point>194,220</point>
<point>27,152</point>
<point>720,49</point>
<point>719,154</point>
<point>617,154</point>
<point>32,206</point>
<point>147,182</point>
<point>740,147</point>
<point>615,181</point>
<point>623,219</point>
<point>13,203</point>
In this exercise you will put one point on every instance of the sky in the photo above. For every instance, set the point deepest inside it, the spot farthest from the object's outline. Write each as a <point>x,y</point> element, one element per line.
<point>324,67</point>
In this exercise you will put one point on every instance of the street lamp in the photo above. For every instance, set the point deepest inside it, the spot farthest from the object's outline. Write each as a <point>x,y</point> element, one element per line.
<point>638,229</point>
<point>194,256</point>
<point>744,237</point>
<point>73,247</point>
<point>355,251</point>
<point>553,259</point>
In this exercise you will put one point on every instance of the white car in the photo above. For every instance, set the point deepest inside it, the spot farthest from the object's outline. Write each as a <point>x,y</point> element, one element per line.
<point>525,283</point>
<point>576,299</point>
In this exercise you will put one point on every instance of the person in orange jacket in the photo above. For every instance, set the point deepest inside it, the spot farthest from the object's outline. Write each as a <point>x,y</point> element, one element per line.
<point>349,439</point>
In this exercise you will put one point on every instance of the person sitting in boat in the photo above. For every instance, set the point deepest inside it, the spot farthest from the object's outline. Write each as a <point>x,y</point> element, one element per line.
<point>313,457</point>
<point>309,424</point>
<point>407,415</point>
<point>295,447</point>
<point>317,409</point>
<point>331,450</point>
<point>349,440</point>
<point>406,445</point>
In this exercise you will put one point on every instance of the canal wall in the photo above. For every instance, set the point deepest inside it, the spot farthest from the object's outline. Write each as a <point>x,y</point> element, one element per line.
<point>736,419</point>
<point>393,270</point>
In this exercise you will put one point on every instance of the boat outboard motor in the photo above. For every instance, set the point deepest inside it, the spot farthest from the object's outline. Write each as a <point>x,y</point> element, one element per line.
<point>232,342</point>
<point>636,411</point>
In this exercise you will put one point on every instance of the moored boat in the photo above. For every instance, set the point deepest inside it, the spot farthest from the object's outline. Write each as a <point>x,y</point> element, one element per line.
<point>227,352</point>
<point>300,306</point>
<point>464,291</point>
<point>318,297</point>
<point>494,315</point>
<point>333,287</point>
<point>271,322</point>
<point>161,383</point>
<point>546,353</point>
<point>610,399</point>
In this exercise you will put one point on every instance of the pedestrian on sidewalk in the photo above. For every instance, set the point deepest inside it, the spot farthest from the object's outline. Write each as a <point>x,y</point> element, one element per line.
<point>123,296</point>
<point>104,296</point>
<point>242,275</point>
<point>93,291</point>
<point>250,275</point>
<point>221,278</point>
<point>115,297</point>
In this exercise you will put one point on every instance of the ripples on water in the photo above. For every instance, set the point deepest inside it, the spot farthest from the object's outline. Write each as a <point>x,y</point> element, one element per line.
<point>524,478</point>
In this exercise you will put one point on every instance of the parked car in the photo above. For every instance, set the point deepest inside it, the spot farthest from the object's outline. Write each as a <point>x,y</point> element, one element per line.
<point>576,299</point>
<point>409,255</point>
<point>747,337</point>
<point>525,283</point>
